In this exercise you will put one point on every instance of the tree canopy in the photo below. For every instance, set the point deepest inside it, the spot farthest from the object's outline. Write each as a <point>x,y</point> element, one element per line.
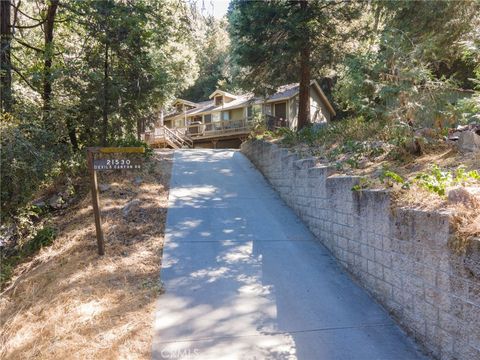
<point>84,73</point>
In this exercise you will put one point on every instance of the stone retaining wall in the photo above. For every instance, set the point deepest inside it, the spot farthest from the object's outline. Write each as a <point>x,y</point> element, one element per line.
<point>400,256</point>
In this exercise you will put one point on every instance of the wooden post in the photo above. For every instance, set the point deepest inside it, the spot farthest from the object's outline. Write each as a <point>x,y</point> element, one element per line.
<point>96,202</point>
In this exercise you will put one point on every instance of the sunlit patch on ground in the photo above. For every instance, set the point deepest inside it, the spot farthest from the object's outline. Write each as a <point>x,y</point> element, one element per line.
<point>69,303</point>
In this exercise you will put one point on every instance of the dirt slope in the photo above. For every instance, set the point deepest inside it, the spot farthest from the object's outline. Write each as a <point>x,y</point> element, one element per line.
<point>69,303</point>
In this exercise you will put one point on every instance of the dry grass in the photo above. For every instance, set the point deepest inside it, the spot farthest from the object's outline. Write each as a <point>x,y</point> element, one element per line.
<point>69,303</point>
<point>465,217</point>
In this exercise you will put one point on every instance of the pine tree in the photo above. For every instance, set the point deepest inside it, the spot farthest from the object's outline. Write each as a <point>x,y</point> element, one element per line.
<point>276,41</point>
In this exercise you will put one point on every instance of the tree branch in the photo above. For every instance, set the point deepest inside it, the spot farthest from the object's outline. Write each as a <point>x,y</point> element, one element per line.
<point>17,8</point>
<point>23,78</point>
<point>21,42</point>
<point>29,26</point>
<point>15,12</point>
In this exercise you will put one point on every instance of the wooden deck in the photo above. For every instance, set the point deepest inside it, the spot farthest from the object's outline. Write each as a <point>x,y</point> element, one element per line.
<point>188,136</point>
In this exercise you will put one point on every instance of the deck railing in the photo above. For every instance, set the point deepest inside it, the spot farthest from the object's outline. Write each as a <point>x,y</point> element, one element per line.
<point>172,137</point>
<point>216,128</point>
<point>185,135</point>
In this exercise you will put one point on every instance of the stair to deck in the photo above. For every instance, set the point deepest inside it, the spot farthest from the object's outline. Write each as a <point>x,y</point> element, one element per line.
<point>172,138</point>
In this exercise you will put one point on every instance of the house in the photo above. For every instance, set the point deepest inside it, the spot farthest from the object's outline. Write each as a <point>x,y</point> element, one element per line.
<point>226,116</point>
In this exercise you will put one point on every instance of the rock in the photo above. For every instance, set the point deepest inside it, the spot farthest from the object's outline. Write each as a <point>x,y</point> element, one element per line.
<point>472,257</point>
<point>128,206</point>
<point>104,187</point>
<point>39,203</point>
<point>463,195</point>
<point>454,136</point>
<point>137,181</point>
<point>362,164</point>
<point>7,236</point>
<point>468,141</point>
<point>56,202</point>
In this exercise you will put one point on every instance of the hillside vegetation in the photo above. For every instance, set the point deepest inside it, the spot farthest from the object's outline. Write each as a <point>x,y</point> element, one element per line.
<point>66,301</point>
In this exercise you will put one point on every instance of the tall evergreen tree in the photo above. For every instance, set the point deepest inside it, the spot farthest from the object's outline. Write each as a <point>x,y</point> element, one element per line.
<point>276,41</point>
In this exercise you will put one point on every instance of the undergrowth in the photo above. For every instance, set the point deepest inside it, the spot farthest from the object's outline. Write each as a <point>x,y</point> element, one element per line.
<point>44,236</point>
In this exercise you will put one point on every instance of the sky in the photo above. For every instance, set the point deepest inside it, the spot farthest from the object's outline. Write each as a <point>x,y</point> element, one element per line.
<point>218,8</point>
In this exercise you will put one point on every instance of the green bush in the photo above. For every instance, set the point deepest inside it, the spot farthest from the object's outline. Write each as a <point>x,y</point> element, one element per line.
<point>438,180</point>
<point>30,156</point>
<point>43,238</point>
<point>132,141</point>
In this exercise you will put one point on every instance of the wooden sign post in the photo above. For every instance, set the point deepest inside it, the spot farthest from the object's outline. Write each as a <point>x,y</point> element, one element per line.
<point>102,165</point>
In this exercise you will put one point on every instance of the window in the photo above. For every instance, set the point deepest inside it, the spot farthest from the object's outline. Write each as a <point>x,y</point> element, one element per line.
<point>218,100</point>
<point>225,115</point>
<point>207,118</point>
<point>268,109</point>
<point>179,107</point>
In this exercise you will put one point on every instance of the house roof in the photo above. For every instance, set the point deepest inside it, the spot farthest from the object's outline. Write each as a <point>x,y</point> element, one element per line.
<point>186,102</point>
<point>224,93</point>
<point>323,97</point>
<point>284,92</point>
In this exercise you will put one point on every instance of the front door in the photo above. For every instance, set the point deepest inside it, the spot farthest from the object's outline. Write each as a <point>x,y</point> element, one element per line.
<point>280,110</point>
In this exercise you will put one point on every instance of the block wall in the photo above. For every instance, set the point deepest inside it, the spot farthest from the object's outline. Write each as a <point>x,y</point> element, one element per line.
<point>401,256</point>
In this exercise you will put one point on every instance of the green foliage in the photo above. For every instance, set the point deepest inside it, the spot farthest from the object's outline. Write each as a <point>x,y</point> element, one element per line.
<point>40,238</point>
<point>43,237</point>
<point>268,37</point>
<point>215,67</point>
<point>466,110</point>
<point>363,183</point>
<point>114,64</point>
<point>391,175</point>
<point>462,176</point>
<point>406,75</point>
<point>29,153</point>
<point>350,133</point>
<point>132,141</point>
<point>389,178</point>
<point>438,180</point>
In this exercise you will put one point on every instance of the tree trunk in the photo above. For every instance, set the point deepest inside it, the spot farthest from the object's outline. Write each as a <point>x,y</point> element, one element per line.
<point>5,64</point>
<point>47,65</point>
<point>105,98</point>
<point>72,134</point>
<point>140,127</point>
<point>304,91</point>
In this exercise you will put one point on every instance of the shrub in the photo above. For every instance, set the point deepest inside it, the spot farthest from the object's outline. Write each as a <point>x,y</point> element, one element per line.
<point>132,141</point>
<point>29,156</point>
<point>42,237</point>
<point>438,180</point>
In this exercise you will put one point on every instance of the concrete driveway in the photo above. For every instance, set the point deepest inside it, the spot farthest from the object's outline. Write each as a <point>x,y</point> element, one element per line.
<point>245,279</point>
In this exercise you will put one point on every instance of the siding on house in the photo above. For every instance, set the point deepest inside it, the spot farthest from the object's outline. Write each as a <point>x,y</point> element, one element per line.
<point>237,114</point>
<point>293,112</point>
<point>318,111</point>
<point>234,107</point>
